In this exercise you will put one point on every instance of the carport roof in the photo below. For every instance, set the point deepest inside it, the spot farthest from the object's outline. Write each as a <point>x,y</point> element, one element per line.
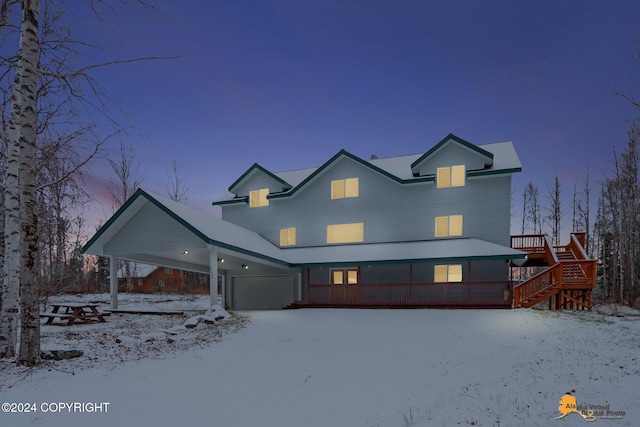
<point>223,234</point>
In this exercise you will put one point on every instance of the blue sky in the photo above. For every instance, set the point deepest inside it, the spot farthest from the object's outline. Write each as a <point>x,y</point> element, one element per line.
<point>289,83</point>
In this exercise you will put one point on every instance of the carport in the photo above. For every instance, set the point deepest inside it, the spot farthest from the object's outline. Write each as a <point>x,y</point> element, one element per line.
<point>153,229</point>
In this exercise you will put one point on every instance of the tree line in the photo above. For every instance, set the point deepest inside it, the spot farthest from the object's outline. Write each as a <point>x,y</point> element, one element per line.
<point>613,230</point>
<point>55,120</point>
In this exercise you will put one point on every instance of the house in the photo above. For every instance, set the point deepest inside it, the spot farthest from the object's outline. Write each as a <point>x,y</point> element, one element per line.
<point>429,229</point>
<point>145,278</point>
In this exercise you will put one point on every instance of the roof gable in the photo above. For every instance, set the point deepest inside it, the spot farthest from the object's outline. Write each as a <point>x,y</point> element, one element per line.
<point>329,163</point>
<point>486,156</point>
<point>254,169</point>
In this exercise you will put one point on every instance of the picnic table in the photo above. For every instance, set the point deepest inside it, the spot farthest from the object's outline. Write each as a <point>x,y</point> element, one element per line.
<point>72,312</point>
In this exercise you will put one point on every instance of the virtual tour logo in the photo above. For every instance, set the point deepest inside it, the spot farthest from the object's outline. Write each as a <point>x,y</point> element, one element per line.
<point>590,412</point>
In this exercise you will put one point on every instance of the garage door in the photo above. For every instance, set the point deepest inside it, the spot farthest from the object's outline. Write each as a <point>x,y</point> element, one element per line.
<point>261,292</point>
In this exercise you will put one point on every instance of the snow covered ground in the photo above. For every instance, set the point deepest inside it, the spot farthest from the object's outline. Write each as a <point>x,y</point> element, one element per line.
<point>387,368</point>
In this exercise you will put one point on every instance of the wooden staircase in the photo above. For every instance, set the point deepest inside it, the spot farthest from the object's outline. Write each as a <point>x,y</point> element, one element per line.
<point>567,281</point>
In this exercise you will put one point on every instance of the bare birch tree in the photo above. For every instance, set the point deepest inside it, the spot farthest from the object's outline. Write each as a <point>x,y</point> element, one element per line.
<point>20,292</point>
<point>531,209</point>
<point>618,225</point>
<point>554,215</point>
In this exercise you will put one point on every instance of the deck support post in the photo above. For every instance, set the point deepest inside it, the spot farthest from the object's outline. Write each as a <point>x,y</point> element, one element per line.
<point>113,281</point>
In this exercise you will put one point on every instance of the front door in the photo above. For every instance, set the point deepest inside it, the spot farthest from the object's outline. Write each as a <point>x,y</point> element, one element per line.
<point>344,289</point>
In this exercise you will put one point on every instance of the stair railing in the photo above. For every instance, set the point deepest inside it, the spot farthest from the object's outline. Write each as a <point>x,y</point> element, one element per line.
<point>537,284</point>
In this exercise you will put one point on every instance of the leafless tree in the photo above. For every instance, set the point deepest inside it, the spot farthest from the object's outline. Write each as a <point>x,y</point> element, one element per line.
<point>122,187</point>
<point>175,185</point>
<point>531,209</point>
<point>554,214</point>
<point>43,83</point>
<point>618,225</point>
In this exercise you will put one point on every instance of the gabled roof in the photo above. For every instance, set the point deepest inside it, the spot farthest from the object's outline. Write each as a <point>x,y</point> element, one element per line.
<point>256,167</point>
<point>343,153</point>
<point>211,230</point>
<point>501,155</point>
<point>453,138</point>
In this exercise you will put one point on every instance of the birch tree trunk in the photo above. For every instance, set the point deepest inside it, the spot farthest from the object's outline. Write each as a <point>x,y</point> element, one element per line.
<point>20,316</point>
<point>29,353</point>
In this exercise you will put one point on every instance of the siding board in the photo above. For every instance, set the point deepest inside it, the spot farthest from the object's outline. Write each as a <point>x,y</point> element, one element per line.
<point>390,211</point>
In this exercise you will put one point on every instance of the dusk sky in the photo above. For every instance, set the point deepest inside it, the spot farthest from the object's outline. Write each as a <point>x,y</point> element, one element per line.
<point>288,84</point>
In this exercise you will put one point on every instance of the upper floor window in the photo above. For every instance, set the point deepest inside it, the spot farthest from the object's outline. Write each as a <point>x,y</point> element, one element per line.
<point>168,270</point>
<point>341,188</point>
<point>288,236</point>
<point>448,226</point>
<point>258,198</point>
<point>451,176</point>
<point>345,233</point>
<point>447,273</point>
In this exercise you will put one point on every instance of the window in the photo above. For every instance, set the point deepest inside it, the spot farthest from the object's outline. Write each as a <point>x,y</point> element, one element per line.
<point>288,236</point>
<point>167,270</point>
<point>345,233</point>
<point>342,188</point>
<point>447,273</point>
<point>161,283</point>
<point>449,225</point>
<point>452,176</point>
<point>258,198</point>
<point>140,282</point>
<point>344,276</point>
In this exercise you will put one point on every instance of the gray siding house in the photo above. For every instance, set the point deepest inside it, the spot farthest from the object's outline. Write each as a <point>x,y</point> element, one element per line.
<point>429,229</point>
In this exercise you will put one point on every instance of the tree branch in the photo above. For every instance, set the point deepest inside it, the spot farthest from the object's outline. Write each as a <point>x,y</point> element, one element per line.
<point>81,71</point>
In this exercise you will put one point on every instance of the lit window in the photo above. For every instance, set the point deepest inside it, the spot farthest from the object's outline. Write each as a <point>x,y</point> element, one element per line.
<point>452,176</point>
<point>447,273</point>
<point>449,225</point>
<point>258,198</point>
<point>342,188</point>
<point>287,236</point>
<point>345,233</point>
<point>344,276</point>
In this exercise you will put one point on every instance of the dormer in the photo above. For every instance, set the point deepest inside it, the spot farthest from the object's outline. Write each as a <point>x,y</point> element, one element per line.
<point>453,155</point>
<point>258,179</point>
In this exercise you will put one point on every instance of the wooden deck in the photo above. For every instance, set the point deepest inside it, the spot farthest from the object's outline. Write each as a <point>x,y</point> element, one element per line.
<point>566,283</point>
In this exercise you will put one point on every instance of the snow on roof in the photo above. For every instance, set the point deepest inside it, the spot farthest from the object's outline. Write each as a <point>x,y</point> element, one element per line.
<point>295,177</point>
<point>505,158</point>
<point>218,231</point>
<point>444,250</point>
<point>504,155</point>
<point>136,269</point>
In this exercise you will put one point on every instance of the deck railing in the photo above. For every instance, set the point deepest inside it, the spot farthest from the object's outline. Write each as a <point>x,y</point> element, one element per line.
<point>485,294</point>
<point>531,243</point>
<point>537,284</point>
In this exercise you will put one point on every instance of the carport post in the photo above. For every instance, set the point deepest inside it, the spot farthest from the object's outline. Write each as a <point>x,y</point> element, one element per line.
<point>113,281</point>
<point>213,277</point>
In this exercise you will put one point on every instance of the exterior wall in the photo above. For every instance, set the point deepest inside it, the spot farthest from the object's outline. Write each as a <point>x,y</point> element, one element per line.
<point>151,229</point>
<point>390,211</point>
<point>422,272</point>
